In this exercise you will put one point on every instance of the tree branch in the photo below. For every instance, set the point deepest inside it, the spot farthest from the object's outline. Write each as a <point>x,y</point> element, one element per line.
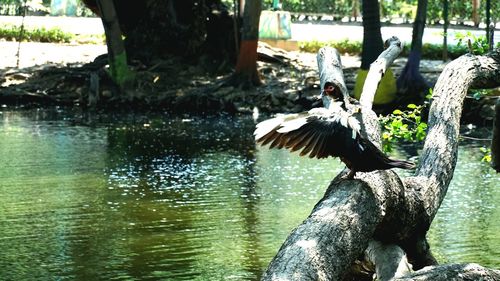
<point>330,69</point>
<point>322,247</point>
<point>439,154</point>
<point>455,272</point>
<point>389,259</point>
<point>378,69</point>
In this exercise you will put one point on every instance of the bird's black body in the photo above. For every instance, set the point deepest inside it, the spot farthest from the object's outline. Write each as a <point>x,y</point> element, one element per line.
<point>370,158</point>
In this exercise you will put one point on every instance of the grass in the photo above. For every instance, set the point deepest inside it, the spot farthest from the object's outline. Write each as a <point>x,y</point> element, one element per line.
<point>53,35</point>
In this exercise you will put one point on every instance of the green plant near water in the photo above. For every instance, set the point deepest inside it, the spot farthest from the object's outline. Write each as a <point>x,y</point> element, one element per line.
<point>404,125</point>
<point>478,44</point>
<point>486,154</point>
<point>53,35</point>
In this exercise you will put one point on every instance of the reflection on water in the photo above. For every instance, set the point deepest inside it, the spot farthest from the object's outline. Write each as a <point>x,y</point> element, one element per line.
<point>141,198</point>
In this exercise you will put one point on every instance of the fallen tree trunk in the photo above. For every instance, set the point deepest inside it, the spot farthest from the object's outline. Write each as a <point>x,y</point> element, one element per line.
<point>379,206</point>
<point>455,272</point>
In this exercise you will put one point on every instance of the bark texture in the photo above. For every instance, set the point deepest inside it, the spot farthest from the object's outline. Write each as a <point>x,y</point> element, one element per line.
<point>453,272</point>
<point>379,205</point>
<point>330,69</point>
<point>378,69</point>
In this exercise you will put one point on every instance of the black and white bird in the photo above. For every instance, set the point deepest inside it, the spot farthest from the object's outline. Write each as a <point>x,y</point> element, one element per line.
<point>332,130</point>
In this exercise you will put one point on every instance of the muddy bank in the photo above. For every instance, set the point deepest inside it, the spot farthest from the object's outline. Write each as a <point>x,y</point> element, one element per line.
<point>63,75</point>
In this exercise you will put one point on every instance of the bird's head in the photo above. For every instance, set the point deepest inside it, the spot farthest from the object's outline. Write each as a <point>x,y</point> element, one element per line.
<point>331,94</point>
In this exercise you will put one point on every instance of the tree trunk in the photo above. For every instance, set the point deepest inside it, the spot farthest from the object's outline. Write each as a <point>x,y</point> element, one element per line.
<point>355,10</point>
<point>382,207</point>
<point>372,38</point>
<point>411,81</point>
<point>445,30</point>
<point>475,14</point>
<point>455,272</point>
<point>488,18</point>
<point>246,73</point>
<point>117,57</point>
<point>495,141</point>
<point>189,28</point>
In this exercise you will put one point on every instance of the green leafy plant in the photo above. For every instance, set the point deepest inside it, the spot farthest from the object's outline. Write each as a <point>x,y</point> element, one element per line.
<point>53,35</point>
<point>404,125</point>
<point>478,44</point>
<point>479,94</point>
<point>429,51</point>
<point>344,46</point>
<point>486,154</point>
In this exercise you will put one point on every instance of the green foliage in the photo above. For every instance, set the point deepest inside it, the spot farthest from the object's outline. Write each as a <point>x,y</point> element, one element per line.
<point>429,51</point>
<point>458,10</point>
<point>479,44</point>
<point>53,35</point>
<point>486,154</point>
<point>479,94</point>
<point>404,125</point>
<point>344,46</point>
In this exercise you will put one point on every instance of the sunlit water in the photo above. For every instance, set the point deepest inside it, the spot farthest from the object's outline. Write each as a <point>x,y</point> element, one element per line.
<point>134,197</point>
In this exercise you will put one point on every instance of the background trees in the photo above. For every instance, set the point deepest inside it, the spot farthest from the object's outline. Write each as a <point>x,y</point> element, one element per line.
<point>192,28</point>
<point>460,11</point>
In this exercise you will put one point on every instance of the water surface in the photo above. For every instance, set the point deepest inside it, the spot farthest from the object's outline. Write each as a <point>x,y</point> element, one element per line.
<point>157,197</point>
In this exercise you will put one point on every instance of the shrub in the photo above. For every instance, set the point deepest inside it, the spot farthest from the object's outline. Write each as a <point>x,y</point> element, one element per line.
<point>429,51</point>
<point>53,35</point>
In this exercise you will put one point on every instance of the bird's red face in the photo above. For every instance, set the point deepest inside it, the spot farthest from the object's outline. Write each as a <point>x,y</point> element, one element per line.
<point>332,91</point>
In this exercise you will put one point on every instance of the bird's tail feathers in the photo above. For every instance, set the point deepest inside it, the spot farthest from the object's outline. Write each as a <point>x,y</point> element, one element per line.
<point>401,164</point>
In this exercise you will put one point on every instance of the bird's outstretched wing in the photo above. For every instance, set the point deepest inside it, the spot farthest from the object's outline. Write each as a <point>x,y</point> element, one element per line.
<point>318,133</point>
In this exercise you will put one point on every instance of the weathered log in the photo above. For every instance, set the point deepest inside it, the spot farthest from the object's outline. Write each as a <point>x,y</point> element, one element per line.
<point>453,272</point>
<point>379,205</point>
<point>330,69</point>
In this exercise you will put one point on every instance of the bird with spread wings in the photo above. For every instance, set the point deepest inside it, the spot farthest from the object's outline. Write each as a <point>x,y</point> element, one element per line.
<point>332,130</point>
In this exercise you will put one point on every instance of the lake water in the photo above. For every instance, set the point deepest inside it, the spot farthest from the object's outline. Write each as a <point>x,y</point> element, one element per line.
<point>133,197</point>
